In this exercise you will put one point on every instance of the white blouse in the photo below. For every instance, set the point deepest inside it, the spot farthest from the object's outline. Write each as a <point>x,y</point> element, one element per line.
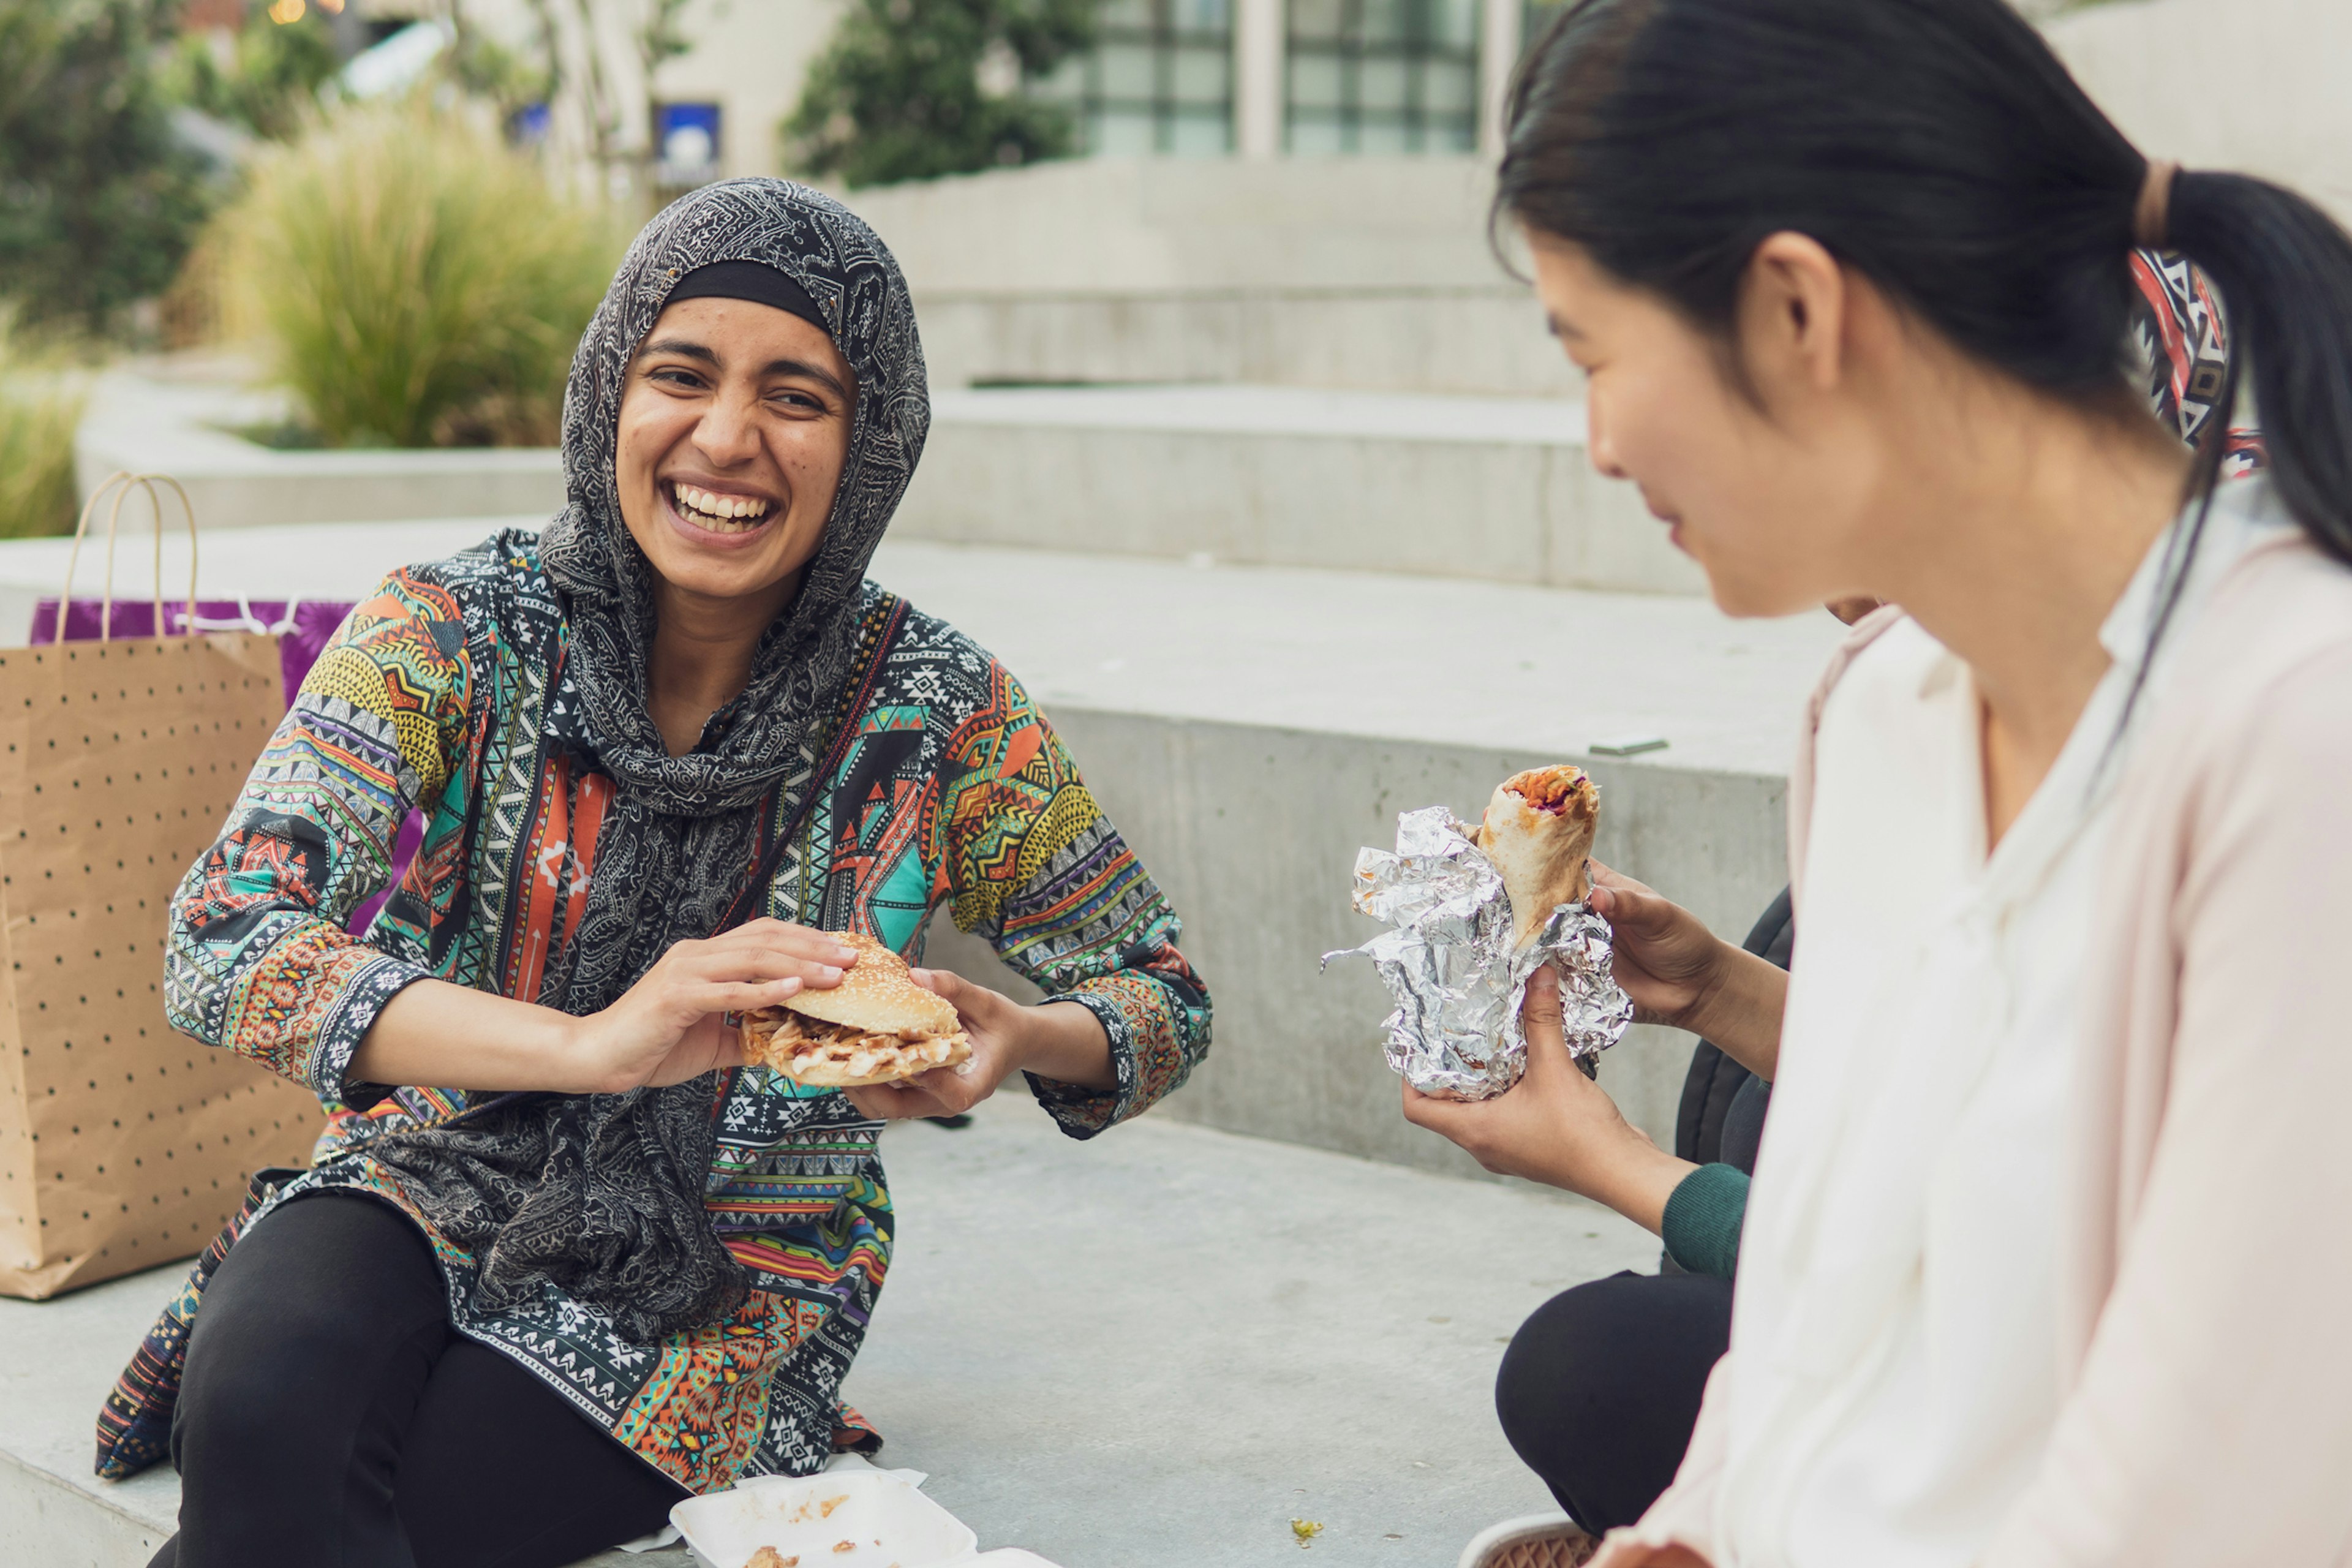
<point>1895,1371</point>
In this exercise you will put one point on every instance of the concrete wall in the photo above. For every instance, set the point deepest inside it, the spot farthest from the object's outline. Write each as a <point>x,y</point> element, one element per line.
<point>1479,501</point>
<point>1452,340</point>
<point>1253,833</point>
<point>1361,272</point>
<point>2257,86</point>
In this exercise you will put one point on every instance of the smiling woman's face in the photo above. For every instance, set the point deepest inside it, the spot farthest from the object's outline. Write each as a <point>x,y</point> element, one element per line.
<point>734,427</point>
<point>1767,500</point>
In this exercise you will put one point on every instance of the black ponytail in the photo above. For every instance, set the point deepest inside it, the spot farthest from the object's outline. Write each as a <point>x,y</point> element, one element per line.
<point>1940,148</point>
<point>2284,272</point>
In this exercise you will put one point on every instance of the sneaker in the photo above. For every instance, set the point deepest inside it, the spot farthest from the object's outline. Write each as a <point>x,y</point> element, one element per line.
<point>1539,1540</point>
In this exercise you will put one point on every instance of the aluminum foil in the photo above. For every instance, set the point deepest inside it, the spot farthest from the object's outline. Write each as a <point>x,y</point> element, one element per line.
<point>1447,960</point>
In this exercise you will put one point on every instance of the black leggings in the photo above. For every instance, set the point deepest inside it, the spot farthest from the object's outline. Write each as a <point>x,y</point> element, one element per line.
<point>1601,1387</point>
<point>331,1417</point>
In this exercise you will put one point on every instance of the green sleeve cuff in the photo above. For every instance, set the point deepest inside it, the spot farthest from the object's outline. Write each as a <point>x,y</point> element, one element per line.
<point>1701,1226</point>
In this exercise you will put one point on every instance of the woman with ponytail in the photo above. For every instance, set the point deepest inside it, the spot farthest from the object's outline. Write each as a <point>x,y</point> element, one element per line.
<point>2025,1278</point>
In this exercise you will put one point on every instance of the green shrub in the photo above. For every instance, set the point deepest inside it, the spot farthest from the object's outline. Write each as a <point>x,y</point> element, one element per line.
<point>414,280</point>
<point>40,405</point>
<point>98,203</point>
<point>269,80</point>
<point>900,91</point>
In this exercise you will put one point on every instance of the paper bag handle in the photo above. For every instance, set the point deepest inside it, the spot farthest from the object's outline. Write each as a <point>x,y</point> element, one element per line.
<point>120,483</point>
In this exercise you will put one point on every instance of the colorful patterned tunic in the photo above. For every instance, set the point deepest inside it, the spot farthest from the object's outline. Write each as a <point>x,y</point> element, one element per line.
<point>448,692</point>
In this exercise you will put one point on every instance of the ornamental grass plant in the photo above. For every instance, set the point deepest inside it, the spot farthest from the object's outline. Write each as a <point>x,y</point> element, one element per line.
<point>412,279</point>
<point>40,404</point>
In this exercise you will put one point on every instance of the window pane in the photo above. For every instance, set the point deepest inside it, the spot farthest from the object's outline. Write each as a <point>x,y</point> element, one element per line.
<point>1449,89</point>
<point>1315,19</point>
<point>1314,135</point>
<point>1126,71</point>
<point>1201,76</point>
<point>1314,82</point>
<point>1204,135</point>
<point>1386,21</point>
<point>1457,22</point>
<point>1382,85</point>
<point>1126,135</point>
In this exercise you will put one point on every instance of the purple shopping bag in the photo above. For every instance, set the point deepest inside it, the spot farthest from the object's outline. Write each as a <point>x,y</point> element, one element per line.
<point>302,625</point>
<point>302,628</point>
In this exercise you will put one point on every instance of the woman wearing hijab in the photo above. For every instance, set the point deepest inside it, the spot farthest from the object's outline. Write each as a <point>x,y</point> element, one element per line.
<point>564,1259</point>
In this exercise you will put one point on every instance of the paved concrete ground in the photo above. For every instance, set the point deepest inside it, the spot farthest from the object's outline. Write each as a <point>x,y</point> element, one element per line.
<point>1151,1350</point>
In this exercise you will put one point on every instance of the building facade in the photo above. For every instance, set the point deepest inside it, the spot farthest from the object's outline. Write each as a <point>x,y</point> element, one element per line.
<point>1266,78</point>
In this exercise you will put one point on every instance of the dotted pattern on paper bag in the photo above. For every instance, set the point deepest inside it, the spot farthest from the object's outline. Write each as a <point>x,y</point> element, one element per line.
<point>126,1145</point>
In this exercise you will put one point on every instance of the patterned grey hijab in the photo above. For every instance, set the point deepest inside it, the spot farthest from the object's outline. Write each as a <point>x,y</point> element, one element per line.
<point>600,1196</point>
<point>804,658</point>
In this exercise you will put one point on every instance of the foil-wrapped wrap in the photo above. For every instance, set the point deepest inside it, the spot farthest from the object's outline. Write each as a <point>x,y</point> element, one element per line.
<point>1448,961</point>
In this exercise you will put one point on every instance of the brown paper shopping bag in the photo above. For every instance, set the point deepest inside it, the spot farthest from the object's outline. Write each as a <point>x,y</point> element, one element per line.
<point>122,1143</point>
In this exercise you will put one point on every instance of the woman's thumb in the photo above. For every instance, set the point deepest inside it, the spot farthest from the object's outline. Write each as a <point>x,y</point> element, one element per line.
<point>1541,1009</point>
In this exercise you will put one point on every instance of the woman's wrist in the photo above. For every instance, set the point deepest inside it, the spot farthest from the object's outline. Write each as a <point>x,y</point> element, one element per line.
<point>451,1036</point>
<point>573,1053</point>
<point>1066,1042</point>
<point>1639,1182</point>
<point>1739,1008</point>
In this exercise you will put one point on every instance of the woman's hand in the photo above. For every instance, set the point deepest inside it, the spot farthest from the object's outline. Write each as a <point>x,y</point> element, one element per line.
<point>671,1025</point>
<point>1664,955</point>
<point>1556,1126</point>
<point>1058,1040</point>
<point>1680,974</point>
<point>667,1027</point>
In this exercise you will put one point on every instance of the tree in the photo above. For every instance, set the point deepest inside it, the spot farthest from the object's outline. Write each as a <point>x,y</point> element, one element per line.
<point>911,89</point>
<point>97,201</point>
<point>269,80</point>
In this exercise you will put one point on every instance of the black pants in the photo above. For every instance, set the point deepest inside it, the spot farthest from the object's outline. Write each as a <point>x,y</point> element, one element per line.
<point>1601,1387</point>
<point>331,1417</point>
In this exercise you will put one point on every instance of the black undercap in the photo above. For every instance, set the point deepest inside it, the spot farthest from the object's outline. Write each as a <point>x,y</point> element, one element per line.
<point>754,280</point>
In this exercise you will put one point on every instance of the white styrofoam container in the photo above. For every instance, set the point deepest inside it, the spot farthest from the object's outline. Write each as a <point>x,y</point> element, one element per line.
<point>875,1521</point>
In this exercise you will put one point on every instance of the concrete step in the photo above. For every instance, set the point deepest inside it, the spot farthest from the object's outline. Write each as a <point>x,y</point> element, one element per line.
<point>1040,1350</point>
<point>1249,728</point>
<point>183,420</point>
<point>1493,488</point>
<point>1457,486</point>
<point>1358,271</point>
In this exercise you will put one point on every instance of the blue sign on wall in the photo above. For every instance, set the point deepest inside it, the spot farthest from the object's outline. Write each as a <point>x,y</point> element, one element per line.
<point>685,144</point>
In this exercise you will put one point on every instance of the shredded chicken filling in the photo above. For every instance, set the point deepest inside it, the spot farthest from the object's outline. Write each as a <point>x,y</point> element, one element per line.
<point>780,1031</point>
<point>1551,794</point>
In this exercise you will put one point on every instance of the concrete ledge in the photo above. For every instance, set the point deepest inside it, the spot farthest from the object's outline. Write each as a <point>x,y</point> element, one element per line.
<point>1460,487</point>
<point>1250,727</point>
<point>1364,272</point>
<point>1470,340</point>
<point>1249,730</point>
<point>182,429</point>
<point>1253,833</point>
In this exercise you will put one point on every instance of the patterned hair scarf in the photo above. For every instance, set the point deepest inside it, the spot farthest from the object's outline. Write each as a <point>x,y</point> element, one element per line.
<point>599,1197</point>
